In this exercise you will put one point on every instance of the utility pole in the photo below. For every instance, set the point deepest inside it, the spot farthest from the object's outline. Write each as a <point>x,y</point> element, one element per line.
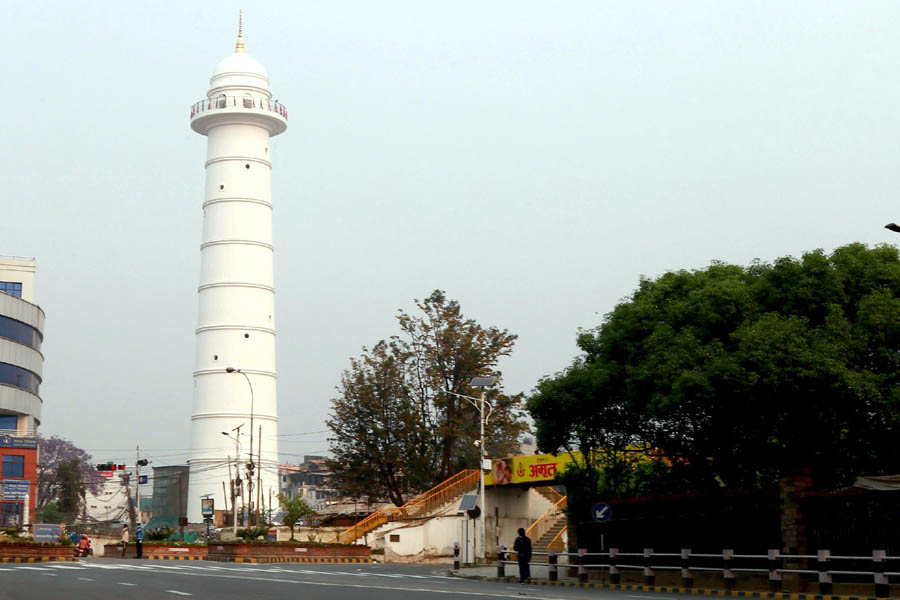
<point>258,473</point>
<point>125,481</point>
<point>137,484</point>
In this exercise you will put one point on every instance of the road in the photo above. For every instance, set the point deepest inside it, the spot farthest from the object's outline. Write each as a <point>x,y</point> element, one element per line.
<point>139,580</point>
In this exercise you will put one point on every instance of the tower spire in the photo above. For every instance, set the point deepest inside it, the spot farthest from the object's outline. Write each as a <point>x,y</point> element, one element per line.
<point>239,47</point>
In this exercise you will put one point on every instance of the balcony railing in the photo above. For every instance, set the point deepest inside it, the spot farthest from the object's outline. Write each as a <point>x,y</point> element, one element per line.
<point>239,102</point>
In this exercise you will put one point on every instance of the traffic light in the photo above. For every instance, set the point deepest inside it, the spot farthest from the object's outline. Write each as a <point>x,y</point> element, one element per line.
<point>142,462</point>
<point>110,467</point>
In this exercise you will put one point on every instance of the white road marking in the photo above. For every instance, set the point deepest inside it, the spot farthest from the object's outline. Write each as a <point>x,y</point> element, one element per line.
<point>85,579</point>
<point>366,587</point>
<point>179,593</point>
<point>650,597</point>
<point>32,568</point>
<point>49,574</point>
<point>128,584</point>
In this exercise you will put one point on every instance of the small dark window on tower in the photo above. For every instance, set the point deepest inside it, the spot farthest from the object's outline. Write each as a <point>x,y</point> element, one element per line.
<point>222,187</point>
<point>246,335</point>
<point>215,357</point>
<point>247,166</point>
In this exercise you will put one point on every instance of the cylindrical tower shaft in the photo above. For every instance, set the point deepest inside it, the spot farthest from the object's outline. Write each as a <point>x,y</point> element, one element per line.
<point>236,317</point>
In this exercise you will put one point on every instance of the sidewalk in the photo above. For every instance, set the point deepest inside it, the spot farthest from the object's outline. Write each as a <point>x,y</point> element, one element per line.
<point>540,576</point>
<point>539,572</point>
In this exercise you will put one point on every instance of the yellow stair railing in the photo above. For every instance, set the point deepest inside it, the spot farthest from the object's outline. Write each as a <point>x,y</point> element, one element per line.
<point>543,524</point>
<point>557,542</point>
<point>420,505</point>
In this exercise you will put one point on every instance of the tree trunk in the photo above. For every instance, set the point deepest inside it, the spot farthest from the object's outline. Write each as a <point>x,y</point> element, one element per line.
<point>793,528</point>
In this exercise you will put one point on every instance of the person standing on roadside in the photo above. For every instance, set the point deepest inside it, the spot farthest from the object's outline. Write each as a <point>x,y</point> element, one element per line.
<point>125,538</point>
<point>139,540</point>
<point>522,548</point>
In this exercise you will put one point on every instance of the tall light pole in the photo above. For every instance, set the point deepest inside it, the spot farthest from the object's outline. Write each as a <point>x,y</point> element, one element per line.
<point>237,460</point>
<point>479,404</point>
<point>233,370</point>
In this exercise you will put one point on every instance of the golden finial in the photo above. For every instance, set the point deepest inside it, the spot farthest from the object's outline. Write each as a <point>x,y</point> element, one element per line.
<point>239,47</point>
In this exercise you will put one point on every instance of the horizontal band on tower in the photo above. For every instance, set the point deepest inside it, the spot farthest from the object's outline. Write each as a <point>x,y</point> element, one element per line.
<point>250,200</point>
<point>235,328</point>
<point>247,371</point>
<point>237,242</point>
<point>233,415</point>
<point>245,284</point>
<point>261,161</point>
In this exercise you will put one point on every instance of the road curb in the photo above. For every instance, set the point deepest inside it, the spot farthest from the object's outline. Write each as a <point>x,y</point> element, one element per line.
<point>172,557</point>
<point>669,590</point>
<point>287,559</point>
<point>35,559</point>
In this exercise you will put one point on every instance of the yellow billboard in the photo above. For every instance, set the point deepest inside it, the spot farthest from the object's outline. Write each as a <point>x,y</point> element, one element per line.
<point>529,469</point>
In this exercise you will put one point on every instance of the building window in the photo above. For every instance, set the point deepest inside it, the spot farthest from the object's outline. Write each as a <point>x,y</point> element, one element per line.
<point>18,331</point>
<point>13,466</point>
<point>13,288</point>
<point>19,377</point>
<point>9,422</point>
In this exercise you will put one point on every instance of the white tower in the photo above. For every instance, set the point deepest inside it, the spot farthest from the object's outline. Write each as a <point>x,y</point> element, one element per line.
<point>234,380</point>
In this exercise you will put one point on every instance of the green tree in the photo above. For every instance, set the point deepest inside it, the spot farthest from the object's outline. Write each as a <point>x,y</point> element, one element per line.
<point>395,429</point>
<point>294,510</point>
<point>781,374</point>
<point>71,485</point>
<point>54,451</point>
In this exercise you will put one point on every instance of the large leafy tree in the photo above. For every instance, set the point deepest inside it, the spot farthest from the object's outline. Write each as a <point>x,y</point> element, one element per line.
<point>53,453</point>
<point>746,377</point>
<point>395,429</point>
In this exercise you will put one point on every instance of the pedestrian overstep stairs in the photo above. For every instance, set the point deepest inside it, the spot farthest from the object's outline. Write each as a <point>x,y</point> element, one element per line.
<point>420,506</point>
<point>549,528</point>
<point>554,534</point>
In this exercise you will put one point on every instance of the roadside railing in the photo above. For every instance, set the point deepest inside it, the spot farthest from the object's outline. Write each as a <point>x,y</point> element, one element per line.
<point>827,566</point>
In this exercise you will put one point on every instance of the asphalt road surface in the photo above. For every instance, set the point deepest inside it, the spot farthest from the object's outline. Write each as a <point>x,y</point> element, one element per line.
<point>140,580</point>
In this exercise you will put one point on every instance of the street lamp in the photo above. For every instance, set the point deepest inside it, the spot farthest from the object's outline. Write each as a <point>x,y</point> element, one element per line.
<point>233,370</point>
<point>893,227</point>
<point>479,404</point>
<point>237,461</point>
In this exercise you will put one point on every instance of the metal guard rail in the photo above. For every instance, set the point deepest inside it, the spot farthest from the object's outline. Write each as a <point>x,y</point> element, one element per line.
<point>774,559</point>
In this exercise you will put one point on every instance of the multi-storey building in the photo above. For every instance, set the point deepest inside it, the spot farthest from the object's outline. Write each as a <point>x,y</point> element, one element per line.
<point>21,371</point>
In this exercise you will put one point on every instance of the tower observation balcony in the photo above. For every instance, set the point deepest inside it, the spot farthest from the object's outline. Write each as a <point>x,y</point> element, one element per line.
<point>238,109</point>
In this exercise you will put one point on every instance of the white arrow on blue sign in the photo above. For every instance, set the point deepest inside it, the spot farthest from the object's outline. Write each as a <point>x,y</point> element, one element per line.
<point>602,512</point>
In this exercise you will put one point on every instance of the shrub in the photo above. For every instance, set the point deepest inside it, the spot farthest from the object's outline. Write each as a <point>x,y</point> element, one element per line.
<point>158,535</point>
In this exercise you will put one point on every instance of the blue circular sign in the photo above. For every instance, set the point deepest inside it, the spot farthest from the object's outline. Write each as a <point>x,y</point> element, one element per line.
<point>602,512</point>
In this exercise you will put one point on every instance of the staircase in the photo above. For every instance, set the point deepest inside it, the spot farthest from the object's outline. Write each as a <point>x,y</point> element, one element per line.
<point>421,505</point>
<point>550,526</point>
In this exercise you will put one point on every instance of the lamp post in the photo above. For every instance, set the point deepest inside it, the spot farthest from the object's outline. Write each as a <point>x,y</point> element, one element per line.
<point>893,227</point>
<point>237,459</point>
<point>250,464</point>
<point>479,404</point>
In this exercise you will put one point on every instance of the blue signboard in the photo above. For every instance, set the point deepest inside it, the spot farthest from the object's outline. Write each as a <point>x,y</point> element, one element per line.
<point>46,533</point>
<point>142,479</point>
<point>15,490</point>
<point>11,441</point>
<point>602,512</point>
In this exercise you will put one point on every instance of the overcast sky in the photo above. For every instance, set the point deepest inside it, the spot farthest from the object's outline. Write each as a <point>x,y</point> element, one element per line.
<point>533,159</point>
